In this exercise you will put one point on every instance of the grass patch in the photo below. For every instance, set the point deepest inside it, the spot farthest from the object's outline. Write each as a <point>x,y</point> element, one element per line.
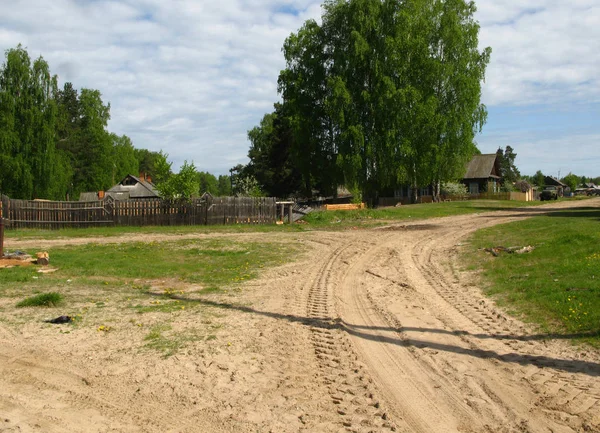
<point>162,339</point>
<point>343,219</point>
<point>557,285</point>
<point>214,264</point>
<point>108,232</point>
<point>51,299</point>
<point>156,340</point>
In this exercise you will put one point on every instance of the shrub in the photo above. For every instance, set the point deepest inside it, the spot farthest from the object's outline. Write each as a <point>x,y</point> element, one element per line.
<point>454,189</point>
<point>522,185</point>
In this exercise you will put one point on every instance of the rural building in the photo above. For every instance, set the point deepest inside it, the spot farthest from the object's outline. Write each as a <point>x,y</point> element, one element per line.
<point>483,174</point>
<point>131,187</point>
<point>552,181</point>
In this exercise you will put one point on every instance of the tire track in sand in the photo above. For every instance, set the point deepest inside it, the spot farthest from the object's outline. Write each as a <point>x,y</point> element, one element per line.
<point>349,386</point>
<point>444,357</point>
<point>569,390</point>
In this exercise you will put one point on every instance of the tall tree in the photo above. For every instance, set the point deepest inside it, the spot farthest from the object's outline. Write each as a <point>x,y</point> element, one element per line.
<point>95,150</point>
<point>124,159</point>
<point>303,85</point>
<point>509,171</point>
<point>272,162</point>
<point>455,69</point>
<point>181,186</point>
<point>30,166</point>
<point>539,179</point>
<point>389,91</point>
<point>224,183</point>
<point>572,181</point>
<point>208,183</point>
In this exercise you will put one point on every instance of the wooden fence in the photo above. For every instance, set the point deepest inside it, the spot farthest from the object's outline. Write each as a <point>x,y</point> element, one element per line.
<point>205,211</point>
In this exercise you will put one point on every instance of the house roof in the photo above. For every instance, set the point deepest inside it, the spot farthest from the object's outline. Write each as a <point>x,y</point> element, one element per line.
<point>88,196</point>
<point>481,167</point>
<point>549,180</point>
<point>133,187</point>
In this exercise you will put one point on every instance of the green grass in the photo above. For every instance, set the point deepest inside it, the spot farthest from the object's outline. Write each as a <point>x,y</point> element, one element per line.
<point>146,230</point>
<point>210,263</point>
<point>557,285</point>
<point>51,299</point>
<point>162,339</point>
<point>368,217</point>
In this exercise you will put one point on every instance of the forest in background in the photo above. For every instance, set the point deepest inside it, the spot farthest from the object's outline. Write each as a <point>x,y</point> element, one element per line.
<point>54,141</point>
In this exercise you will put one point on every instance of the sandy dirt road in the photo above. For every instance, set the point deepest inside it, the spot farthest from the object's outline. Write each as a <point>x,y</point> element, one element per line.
<point>368,331</point>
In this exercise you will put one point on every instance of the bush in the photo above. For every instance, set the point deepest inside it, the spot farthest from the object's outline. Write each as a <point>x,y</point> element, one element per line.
<point>507,187</point>
<point>42,300</point>
<point>454,189</point>
<point>522,185</point>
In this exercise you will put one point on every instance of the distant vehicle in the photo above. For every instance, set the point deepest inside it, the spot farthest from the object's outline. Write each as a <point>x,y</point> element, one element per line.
<point>549,193</point>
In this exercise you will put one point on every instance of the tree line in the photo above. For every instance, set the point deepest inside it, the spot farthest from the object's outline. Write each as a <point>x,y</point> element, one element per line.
<point>513,180</point>
<point>54,141</point>
<point>381,93</point>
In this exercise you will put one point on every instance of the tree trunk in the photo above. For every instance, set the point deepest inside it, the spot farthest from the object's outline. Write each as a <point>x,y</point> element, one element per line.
<point>414,193</point>
<point>436,191</point>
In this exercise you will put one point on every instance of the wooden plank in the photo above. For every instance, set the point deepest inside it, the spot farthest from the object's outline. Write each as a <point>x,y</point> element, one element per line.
<point>348,206</point>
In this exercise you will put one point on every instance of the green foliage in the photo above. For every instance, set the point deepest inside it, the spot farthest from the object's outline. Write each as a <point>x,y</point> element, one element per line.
<point>508,170</point>
<point>125,161</point>
<point>539,179</point>
<point>207,183</point>
<point>557,284</point>
<point>153,164</point>
<point>51,299</point>
<point>217,263</point>
<point>29,160</point>
<point>371,105</point>
<point>454,189</point>
<point>180,186</point>
<point>247,186</point>
<point>572,181</point>
<point>162,168</point>
<point>54,143</point>
<point>224,183</point>
<point>272,162</point>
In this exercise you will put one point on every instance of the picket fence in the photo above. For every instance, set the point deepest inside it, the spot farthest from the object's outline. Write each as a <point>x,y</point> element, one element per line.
<point>44,214</point>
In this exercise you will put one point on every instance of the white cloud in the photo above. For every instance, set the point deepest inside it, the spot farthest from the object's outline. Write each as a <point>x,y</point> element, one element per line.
<point>551,153</point>
<point>543,51</point>
<point>192,76</point>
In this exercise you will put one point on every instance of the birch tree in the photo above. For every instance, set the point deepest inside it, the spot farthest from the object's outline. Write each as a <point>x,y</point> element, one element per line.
<point>389,91</point>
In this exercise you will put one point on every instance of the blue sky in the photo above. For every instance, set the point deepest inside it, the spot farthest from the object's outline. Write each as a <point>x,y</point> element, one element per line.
<point>191,77</point>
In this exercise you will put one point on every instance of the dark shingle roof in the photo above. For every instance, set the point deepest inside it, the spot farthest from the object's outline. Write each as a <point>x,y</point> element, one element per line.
<point>550,180</point>
<point>481,167</point>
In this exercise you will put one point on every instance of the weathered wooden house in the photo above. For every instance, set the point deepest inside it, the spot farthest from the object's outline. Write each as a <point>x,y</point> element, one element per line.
<point>132,187</point>
<point>129,188</point>
<point>483,174</point>
<point>552,181</point>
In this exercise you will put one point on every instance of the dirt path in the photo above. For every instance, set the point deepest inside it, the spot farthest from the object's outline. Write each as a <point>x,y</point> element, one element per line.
<point>370,331</point>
